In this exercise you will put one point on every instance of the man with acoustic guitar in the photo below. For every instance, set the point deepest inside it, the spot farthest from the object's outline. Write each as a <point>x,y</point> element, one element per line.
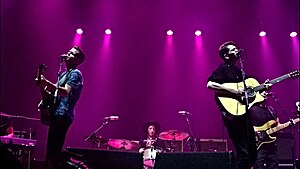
<point>227,82</point>
<point>65,94</point>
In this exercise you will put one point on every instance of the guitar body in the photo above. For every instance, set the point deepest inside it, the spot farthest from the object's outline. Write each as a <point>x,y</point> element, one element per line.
<point>46,107</point>
<point>236,106</point>
<point>261,134</point>
<point>262,138</point>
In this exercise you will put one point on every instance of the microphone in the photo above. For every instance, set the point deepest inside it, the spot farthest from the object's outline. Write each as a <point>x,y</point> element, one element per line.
<point>238,54</point>
<point>64,56</point>
<point>184,113</point>
<point>111,118</point>
<point>269,93</point>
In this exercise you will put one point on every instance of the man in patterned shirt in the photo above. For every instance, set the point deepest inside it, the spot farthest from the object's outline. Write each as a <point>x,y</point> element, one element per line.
<point>68,91</point>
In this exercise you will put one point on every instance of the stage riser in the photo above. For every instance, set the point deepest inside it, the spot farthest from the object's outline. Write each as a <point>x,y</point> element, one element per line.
<point>99,159</point>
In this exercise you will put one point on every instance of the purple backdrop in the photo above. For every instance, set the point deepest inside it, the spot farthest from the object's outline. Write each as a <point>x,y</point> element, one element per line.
<point>138,72</point>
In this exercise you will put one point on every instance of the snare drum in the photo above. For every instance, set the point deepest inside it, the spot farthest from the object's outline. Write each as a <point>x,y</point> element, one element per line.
<point>149,157</point>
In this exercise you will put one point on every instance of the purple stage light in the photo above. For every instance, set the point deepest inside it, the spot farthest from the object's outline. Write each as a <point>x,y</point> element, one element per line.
<point>198,33</point>
<point>108,31</point>
<point>169,32</point>
<point>293,34</point>
<point>79,31</point>
<point>262,33</point>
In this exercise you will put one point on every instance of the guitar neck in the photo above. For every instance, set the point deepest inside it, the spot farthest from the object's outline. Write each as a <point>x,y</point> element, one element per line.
<point>276,80</point>
<point>282,126</point>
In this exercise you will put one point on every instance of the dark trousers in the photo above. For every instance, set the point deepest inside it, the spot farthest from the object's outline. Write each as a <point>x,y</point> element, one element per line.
<point>58,129</point>
<point>241,133</point>
<point>267,157</point>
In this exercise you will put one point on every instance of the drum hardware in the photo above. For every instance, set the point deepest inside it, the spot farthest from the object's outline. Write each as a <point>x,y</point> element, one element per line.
<point>97,141</point>
<point>173,135</point>
<point>190,141</point>
<point>93,138</point>
<point>123,144</point>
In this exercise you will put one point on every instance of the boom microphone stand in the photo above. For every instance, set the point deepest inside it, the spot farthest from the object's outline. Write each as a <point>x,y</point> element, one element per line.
<point>190,141</point>
<point>93,134</point>
<point>60,63</point>
<point>245,87</point>
<point>107,119</point>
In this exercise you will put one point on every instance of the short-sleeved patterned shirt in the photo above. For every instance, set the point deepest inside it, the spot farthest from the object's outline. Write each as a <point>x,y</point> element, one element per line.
<point>66,104</point>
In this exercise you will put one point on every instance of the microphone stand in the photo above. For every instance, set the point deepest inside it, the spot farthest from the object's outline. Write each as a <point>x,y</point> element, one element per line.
<point>245,87</point>
<point>248,118</point>
<point>94,132</point>
<point>276,99</point>
<point>298,114</point>
<point>190,141</point>
<point>60,60</point>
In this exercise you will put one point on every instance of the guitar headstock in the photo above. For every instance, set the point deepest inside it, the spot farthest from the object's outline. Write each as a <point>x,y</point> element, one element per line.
<point>41,69</point>
<point>294,74</point>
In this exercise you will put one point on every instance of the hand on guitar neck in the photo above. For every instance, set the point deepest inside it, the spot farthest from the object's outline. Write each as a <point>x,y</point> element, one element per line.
<point>47,86</point>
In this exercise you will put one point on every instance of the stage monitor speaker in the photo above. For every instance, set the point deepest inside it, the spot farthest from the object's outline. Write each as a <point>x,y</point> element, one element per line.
<point>109,159</point>
<point>8,159</point>
<point>211,145</point>
<point>285,148</point>
<point>194,160</point>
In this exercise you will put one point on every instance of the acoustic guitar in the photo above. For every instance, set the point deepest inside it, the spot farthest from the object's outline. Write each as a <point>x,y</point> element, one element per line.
<point>236,105</point>
<point>47,104</point>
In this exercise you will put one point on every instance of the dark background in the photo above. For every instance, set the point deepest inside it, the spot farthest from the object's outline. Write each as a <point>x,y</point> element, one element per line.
<point>138,72</point>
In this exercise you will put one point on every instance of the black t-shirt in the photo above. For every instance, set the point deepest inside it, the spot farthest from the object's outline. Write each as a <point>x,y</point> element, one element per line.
<point>261,114</point>
<point>4,124</point>
<point>226,73</point>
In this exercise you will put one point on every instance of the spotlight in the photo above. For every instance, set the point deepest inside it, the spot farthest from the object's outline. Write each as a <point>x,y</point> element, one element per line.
<point>293,34</point>
<point>198,33</point>
<point>169,32</point>
<point>79,31</point>
<point>108,31</point>
<point>262,33</point>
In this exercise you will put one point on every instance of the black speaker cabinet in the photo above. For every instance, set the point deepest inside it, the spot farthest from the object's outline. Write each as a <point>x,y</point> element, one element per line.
<point>174,146</point>
<point>285,148</point>
<point>109,159</point>
<point>211,145</point>
<point>194,160</point>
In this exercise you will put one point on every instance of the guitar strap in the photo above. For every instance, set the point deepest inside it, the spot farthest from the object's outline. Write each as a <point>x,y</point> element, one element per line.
<point>62,82</point>
<point>272,112</point>
<point>64,79</point>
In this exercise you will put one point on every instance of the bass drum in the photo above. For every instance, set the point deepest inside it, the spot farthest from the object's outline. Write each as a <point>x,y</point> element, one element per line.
<point>149,157</point>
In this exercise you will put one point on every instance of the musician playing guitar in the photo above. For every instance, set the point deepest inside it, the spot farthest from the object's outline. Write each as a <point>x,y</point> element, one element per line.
<point>66,93</point>
<point>239,126</point>
<point>267,155</point>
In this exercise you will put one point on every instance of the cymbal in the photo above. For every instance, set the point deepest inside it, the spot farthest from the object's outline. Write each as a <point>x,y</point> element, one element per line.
<point>173,135</point>
<point>124,144</point>
<point>97,139</point>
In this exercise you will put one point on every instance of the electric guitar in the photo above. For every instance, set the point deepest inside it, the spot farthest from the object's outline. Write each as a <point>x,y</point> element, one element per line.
<point>262,133</point>
<point>47,104</point>
<point>236,105</point>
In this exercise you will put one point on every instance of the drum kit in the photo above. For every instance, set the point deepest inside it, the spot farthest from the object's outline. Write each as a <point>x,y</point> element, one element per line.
<point>149,153</point>
<point>122,144</point>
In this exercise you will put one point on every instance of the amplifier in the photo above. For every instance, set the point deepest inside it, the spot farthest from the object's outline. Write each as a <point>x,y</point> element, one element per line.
<point>212,145</point>
<point>285,146</point>
<point>174,146</point>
